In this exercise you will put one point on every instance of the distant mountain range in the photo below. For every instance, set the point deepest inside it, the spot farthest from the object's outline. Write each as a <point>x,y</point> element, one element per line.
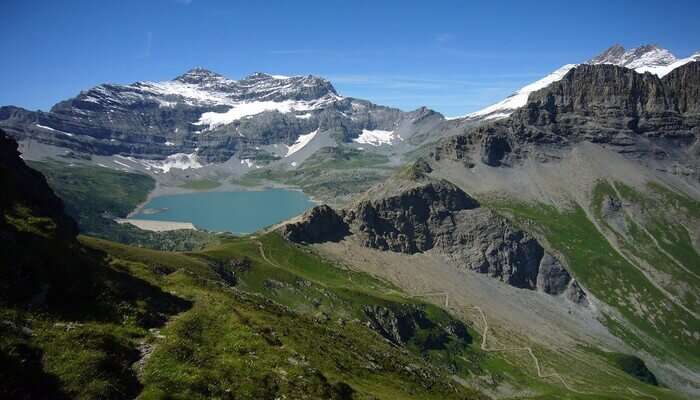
<point>647,58</point>
<point>202,117</point>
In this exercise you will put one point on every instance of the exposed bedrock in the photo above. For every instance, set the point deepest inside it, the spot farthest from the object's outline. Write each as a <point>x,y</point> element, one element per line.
<point>438,215</point>
<point>645,118</point>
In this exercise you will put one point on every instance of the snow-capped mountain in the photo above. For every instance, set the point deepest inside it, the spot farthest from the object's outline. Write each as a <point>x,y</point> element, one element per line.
<point>203,117</point>
<point>647,58</point>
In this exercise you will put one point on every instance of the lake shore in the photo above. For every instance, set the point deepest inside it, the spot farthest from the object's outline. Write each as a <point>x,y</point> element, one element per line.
<point>156,226</point>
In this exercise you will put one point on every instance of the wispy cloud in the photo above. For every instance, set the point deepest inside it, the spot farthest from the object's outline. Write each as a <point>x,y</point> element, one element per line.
<point>147,46</point>
<point>451,95</point>
<point>184,2</point>
<point>431,82</point>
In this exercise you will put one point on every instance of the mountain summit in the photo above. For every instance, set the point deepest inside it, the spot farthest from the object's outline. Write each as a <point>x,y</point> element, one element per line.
<point>643,56</point>
<point>646,58</point>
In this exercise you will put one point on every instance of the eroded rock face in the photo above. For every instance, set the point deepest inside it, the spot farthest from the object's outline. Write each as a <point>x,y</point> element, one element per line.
<point>641,116</point>
<point>320,224</point>
<point>553,278</point>
<point>405,222</point>
<point>438,215</point>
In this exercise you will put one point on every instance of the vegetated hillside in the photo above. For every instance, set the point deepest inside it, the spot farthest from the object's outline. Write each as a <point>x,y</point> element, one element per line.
<point>431,223</point>
<point>95,195</point>
<point>96,319</point>
<point>603,166</point>
<point>590,190</point>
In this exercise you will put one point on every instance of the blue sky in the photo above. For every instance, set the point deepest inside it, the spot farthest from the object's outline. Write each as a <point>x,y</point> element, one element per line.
<point>452,56</point>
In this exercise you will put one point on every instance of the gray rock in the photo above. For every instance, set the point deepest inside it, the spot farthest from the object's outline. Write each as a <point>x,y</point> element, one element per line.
<point>553,278</point>
<point>404,222</point>
<point>421,214</point>
<point>641,116</point>
<point>320,224</point>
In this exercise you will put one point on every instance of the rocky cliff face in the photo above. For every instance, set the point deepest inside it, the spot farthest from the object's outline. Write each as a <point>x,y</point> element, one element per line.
<point>437,215</point>
<point>638,115</point>
<point>406,222</point>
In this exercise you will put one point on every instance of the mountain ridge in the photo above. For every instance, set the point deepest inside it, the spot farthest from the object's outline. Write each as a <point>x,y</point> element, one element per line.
<point>645,58</point>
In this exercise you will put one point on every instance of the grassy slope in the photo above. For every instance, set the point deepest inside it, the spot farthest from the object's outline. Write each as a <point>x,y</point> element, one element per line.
<point>201,184</point>
<point>70,321</point>
<point>213,343</point>
<point>118,194</point>
<point>248,345</point>
<point>651,321</point>
<point>307,339</point>
<point>333,298</point>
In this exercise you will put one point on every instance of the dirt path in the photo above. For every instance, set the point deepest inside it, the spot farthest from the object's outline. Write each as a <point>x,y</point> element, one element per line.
<point>528,349</point>
<point>484,337</point>
<point>264,256</point>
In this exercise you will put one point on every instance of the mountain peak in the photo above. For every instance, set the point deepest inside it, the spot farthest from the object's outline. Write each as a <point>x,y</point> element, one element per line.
<point>648,55</point>
<point>199,75</point>
<point>610,56</point>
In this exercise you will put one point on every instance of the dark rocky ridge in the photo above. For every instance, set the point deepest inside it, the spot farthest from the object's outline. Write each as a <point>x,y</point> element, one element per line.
<point>438,215</point>
<point>638,115</point>
<point>27,187</point>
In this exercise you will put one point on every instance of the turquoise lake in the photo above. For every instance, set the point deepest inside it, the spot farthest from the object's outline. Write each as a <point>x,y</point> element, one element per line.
<point>236,212</point>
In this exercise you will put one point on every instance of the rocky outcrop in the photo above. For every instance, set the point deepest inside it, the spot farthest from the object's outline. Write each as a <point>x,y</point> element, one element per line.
<point>409,323</point>
<point>320,224</point>
<point>424,214</point>
<point>683,85</point>
<point>405,222</point>
<point>552,277</point>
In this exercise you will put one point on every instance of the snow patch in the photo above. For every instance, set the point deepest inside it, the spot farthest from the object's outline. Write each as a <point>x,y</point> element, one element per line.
<point>377,137</point>
<point>302,141</point>
<point>169,144</point>
<point>248,162</point>
<point>241,110</point>
<point>54,130</point>
<point>122,164</point>
<point>176,161</point>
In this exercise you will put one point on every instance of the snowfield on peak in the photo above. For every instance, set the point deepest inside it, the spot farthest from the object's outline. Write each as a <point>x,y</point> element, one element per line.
<point>377,137</point>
